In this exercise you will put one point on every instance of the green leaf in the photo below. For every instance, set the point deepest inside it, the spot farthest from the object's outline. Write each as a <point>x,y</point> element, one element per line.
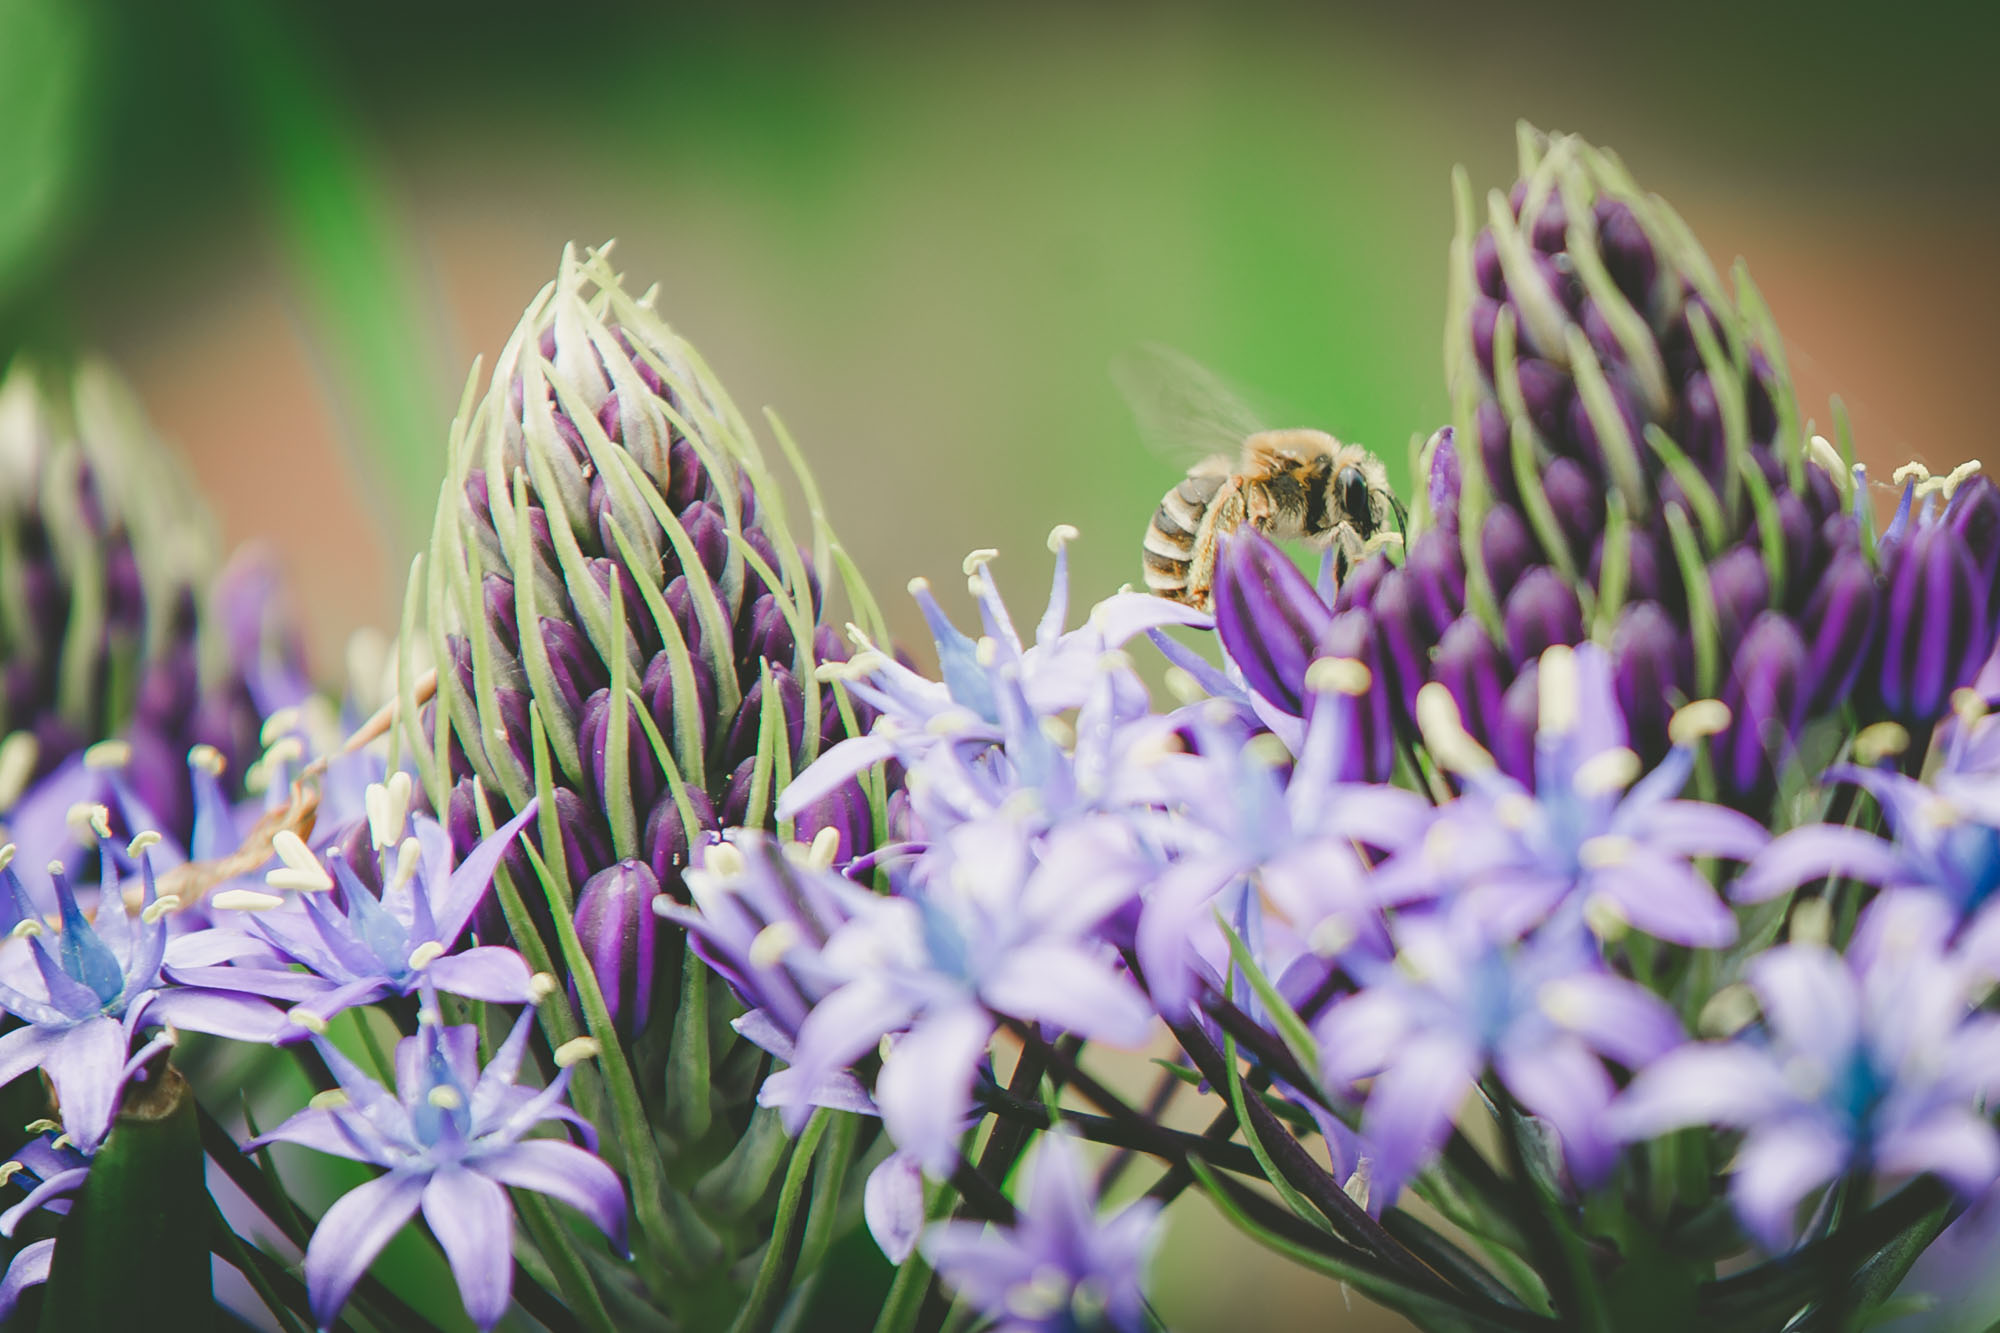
<point>47,50</point>
<point>135,1244</point>
<point>1292,1029</point>
<point>774,1273</point>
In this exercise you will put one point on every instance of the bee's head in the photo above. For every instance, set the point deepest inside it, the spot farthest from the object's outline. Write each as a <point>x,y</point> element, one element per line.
<point>1354,500</point>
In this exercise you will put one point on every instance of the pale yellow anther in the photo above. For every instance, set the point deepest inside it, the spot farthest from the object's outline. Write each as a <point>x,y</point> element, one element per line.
<point>18,755</point>
<point>63,1140</point>
<point>445,1099</point>
<point>85,820</point>
<point>142,840</point>
<point>1606,851</point>
<point>244,900</point>
<point>43,1126</point>
<point>7,854</point>
<point>986,652</point>
<point>977,560</point>
<point>1340,675</point>
<point>1564,1001</point>
<point>208,759</point>
<point>1968,705</point>
<point>25,927</point>
<point>1115,659</point>
<point>543,984</point>
<point>1515,811</point>
<point>1357,1185</point>
<point>1558,690</point>
<point>1445,735</point>
<point>1951,480</point>
<point>407,857</point>
<point>1821,451</point>
<point>425,954</point>
<point>288,750</point>
<point>8,1170</point>
<point>1939,813</point>
<point>1605,918</point>
<point>387,804</point>
<point>1812,922</point>
<point>333,1099</point>
<point>1058,731</point>
<point>1181,683</point>
<point>825,847</point>
<point>575,1049</point>
<point>298,881</point>
<point>108,754</point>
<point>772,943</point>
<point>1606,771</point>
<point>302,870</point>
<point>952,722</point>
<point>280,723</point>
<point>1331,937</point>
<point>723,859</point>
<point>1266,749</point>
<point>1728,1011</point>
<point>1911,471</point>
<point>1879,741</point>
<point>1692,722</point>
<point>1060,534</point>
<point>307,1019</point>
<point>159,907</point>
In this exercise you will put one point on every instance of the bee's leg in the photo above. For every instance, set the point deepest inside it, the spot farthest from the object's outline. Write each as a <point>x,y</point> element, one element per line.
<point>1226,512</point>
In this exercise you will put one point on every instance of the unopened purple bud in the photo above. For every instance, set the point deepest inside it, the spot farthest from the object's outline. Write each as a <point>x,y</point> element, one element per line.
<point>1700,435</point>
<point>1357,590</point>
<point>689,482</point>
<point>1486,270</point>
<point>642,767</point>
<point>656,691</point>
<point>572,661</point>
<point>498,592</point>
<point>1268,618</point>
<point>667,840</point>
<point>619,932</point>
<point>1506,548</point>
<point>1974,514</point>
<point>1513,732</point>
<point>1372,738</point>
<point>512,705</point>
<point>1546,390</point>
<point>357,843</point>
<point>1496,451</point>
<point>845,811</point>
<point>1485,319</point>
<point>1541,611</point>
<point>1767,694</point>
<point>1578,501</point>
<point>638,617</point>
<point>759,541</point>
<point>1840,622</point>
<point>1583,439</point>
<point>743,732</point>
<point>708,532</point>
<point>1936,627</point>
<point>461,819</point>
<point>1469,664</point>
<point>586,844</point>
<point>1742,590</point>
<point>1650,672</point>
<point>765,634</point>
<point>1550,231</point>
<point>1435,573</point>
<point>1627,251</point>
<point>1443,479</point>
<point>680,604</point>
<point>1402,632</point>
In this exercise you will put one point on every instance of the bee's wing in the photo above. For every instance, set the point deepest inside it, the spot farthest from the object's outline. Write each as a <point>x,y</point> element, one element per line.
<point>1184,410</point>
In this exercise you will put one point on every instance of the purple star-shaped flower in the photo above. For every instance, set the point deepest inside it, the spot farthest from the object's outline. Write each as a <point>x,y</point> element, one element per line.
<point>1588,838</point>
<point>1057,1269</point>
<point>83,999</point>
<point>355,947</point>
<point>450,1139</point>
<point>1874,1061</point>
<point>1455,1002</point>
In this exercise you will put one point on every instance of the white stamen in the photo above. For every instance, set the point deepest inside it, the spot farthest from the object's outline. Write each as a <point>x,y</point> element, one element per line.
<point>333,1099</point>
<point>1967,704</point>
<point>1266,749</point>
<point>302,869</point>
<point>41,1127</point>
<point>388,806</point>
<point>83,820</point>
<point>1331,937</point>
<point>9,1170</point>
<point>24,928</point>
<point>724,860</point>
<point>445,1099</point>
<point>1605,918</point>
<point>1605,772</point>
<point>1911,471</point>
<point>1340,675</point>
<point>575,1049</point>
<point>298,881</point>
<point>208,759</point>
<point>1606,851</point>
<point>1691,722</point>
<point>278,724</point>
<point>1059,731</point>
<point>159,907</point>
<point>1728,1011</point>
<point>1060,534</point>
<point>543,984</point>
<point>1558,690</point>
<point>918,586</point>
<point>307,1019</point>
<point>977,560</point>
<point>1821,451</point>
<point>245,900</point>
<point>772,943</point>
<point>141,840</point>
<point>1812,922</point>
<point>1445,734</point>
<point>986,652</point>
<point>18,754</point>
<point>1181,683</point>
<point>7,854</point>
<point>425,954</point>
<point>108,754</point>
<point>825,847</point>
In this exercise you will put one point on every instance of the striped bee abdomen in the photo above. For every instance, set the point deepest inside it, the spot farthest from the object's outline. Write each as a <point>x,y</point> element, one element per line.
<point>1170,538</point>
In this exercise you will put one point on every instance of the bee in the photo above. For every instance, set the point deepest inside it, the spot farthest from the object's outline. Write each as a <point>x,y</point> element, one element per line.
<point>1300,484</point>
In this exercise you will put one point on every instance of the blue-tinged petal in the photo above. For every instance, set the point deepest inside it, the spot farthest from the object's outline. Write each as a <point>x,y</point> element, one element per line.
<point>564,1172</point>
<point>272,983</point>
<point>469,1215</point>
<point>1126,615</point>
<point>1711,1084</point>
<point>83,955</point>
<point>490,972</point>
<point>1359,1036</point>
<point>87,1065</point>
<point>1617,1018</point>
<point>925,1086</point>
<point>222,1013</point>
<point>1069,986</point>
<point>1568,1087</point>
<point>386,937</point>
<point>335,1133</point>
<point>215,834</point>
<point>1410,1108</point>
<point>1693,828</point>
<point>1776,1168</point>
<point>350,955</point>
<point>1955,1143</point>
<point>452,903</point>
<point>1811,1003</point>
<point>29,1268</point>
<point>982,1265</point>
<point>1212,680</point>
<point>62,1182</point>
<point>352,1233</point>
<point>70,996</point>
<point>490,1089</point>
<point>831,770</point>
<point>1176,907</point>
<point>1817,852</point>
<point>892,1203</point>
<point>958,659</point>
<point>841,1028</point>
<point>1668,900</point>
<point>324,1004</point>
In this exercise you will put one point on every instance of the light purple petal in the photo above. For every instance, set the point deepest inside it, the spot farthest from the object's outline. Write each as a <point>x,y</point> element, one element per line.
<point>840,1028</point>
<point>1692,828</point>
<point>1567,1086</point>
<point>1815,852</point>
<point>272,983</point>
<point>62,1182</point>
<point>893,1204</point>
<point>1712,1084</point>
<point>488,972</point>
<point>1410,1108</point>
<point>321,1131</point>
<point>565,1172</point>
<point>470,1216</point>
<point>452,902</point>
<point>87,1065</point>
<point>925,1086</point>
<point>25,1048</point>
<point>1776,1168</point>
<point>352,1233</point>
<point>1619,1019</point>
<point>220,1013</point>
<point>1360,1035</point>
<point>1071,987</point>
<point>1177,905</point>
<point>1668,901</point>
<point>1954,1142</point>
<point>832,769</point>
<point>30,1268</point>
<point>1810,1001</point>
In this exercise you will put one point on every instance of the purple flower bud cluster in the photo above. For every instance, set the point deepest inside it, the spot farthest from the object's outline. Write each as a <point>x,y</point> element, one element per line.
<point>622,623</point>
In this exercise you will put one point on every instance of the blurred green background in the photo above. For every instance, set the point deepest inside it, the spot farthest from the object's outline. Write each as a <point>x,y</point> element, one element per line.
<point>924,235</point>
